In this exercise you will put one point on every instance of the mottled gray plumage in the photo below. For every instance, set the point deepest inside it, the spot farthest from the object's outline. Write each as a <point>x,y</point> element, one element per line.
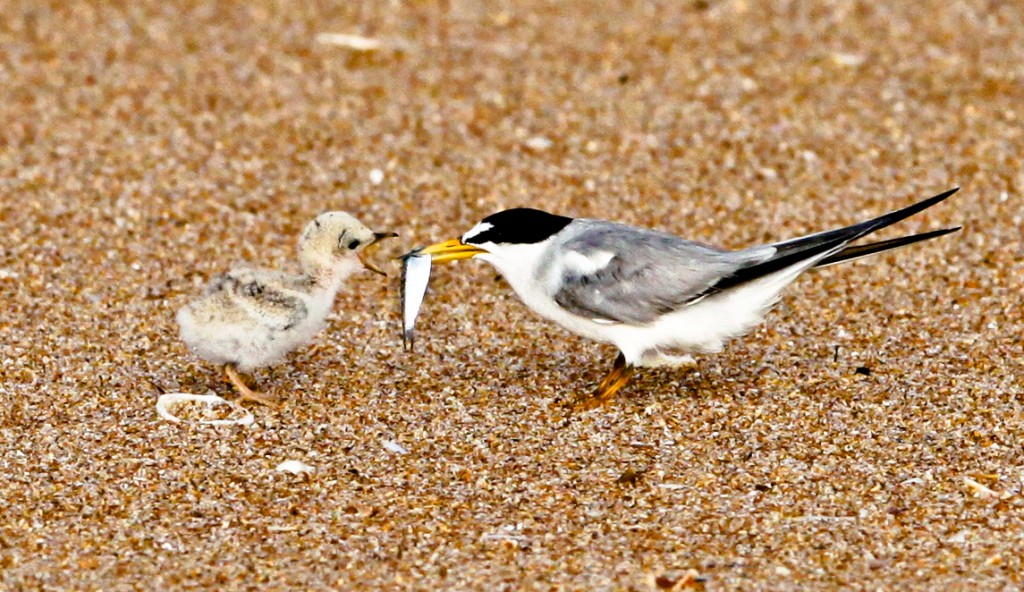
<point>261,293</point>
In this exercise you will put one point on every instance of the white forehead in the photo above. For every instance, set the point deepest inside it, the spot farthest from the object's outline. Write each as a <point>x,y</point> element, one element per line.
<point>476,230</point>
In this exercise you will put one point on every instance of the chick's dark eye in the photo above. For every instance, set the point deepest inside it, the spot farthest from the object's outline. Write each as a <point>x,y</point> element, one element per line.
<point>352,245</point>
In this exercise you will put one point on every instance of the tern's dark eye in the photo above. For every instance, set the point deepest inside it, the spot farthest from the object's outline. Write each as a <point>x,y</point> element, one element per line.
<point>353,245</point>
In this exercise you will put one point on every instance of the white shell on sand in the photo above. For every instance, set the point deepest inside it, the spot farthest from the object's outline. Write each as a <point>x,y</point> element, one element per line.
<point>168,401</point>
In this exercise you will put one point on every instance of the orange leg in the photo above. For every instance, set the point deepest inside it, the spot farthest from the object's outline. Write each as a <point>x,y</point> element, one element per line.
<point>615,380</point>
<point>244,391</point>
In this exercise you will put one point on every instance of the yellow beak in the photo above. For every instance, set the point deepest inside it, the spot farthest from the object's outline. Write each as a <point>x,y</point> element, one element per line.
<point>450,251</point>
<point>377,237</point>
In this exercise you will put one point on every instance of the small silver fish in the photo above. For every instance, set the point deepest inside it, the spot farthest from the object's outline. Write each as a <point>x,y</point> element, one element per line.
<point>415,276</point>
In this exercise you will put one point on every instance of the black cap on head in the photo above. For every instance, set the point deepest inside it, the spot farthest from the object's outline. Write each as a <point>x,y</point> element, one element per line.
<point>522,226</point>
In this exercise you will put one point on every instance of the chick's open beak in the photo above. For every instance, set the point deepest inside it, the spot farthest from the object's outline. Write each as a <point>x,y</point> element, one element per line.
<point>377,237</point>
<point>451,251</point>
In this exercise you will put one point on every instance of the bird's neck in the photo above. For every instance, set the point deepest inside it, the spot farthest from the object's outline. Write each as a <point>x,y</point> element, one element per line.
<point>326,276</point>
<point>322,279</point>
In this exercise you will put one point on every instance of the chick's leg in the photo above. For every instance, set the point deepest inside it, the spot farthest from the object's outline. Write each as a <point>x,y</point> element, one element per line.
<point>244,391</point>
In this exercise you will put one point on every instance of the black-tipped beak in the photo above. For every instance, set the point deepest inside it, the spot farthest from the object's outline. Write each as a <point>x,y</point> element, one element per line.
<point>377,237</point>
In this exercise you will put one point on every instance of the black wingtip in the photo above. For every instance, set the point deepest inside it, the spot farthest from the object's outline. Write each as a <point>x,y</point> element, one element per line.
<point>804,248</point>
<point>858,251</point>
<point>904,213</point>
<point>943,195</point>
<point>940,197</point>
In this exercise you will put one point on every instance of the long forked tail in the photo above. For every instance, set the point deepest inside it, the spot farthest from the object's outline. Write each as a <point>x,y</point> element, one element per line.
<point>829,247</point>
<point>858,251</point>
<point>823,241</point>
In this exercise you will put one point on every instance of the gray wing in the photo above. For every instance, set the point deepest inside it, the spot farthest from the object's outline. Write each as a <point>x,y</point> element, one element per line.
<point>260,294</point>
<point>616,273</point>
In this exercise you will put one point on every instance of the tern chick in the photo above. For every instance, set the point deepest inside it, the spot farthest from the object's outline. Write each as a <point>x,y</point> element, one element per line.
<point>250,318</point>
<point>655,296</point>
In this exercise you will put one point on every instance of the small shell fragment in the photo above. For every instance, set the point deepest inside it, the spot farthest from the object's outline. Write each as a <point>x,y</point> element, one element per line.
<point>354,42</point>
<point>294,467</point>
<point>850,60</point>
<point>539,143</point>
<point>392,446</point>
<point>167,401</point>
<point>415,277</point>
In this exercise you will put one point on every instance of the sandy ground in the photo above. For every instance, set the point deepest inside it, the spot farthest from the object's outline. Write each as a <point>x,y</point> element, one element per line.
<point>144,149</point>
